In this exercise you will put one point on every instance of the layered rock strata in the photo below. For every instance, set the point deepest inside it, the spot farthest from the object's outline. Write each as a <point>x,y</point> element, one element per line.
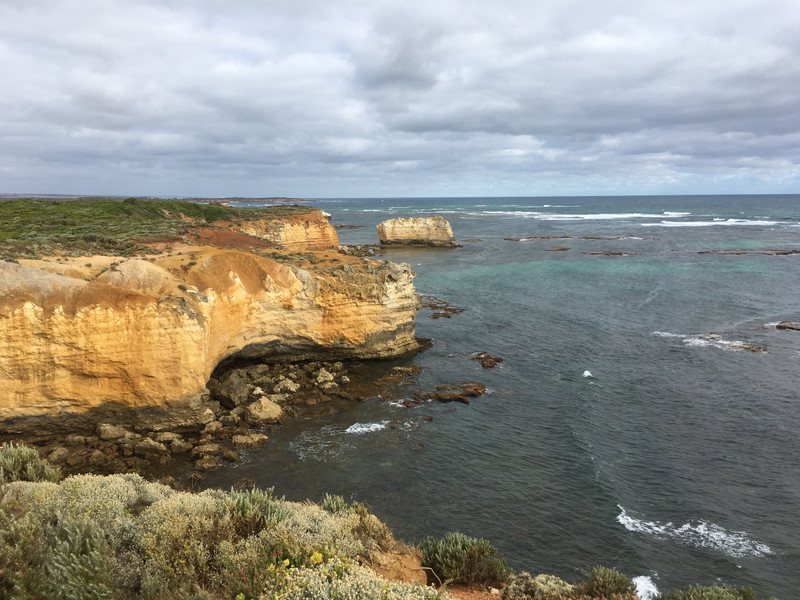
<point>418,231</point>
<point>107,333</point>
<point>308,231</point>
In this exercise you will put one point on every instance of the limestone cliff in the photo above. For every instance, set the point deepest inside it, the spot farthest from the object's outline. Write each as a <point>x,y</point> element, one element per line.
<point>309,231</point>
<point>107,332</point>
<point>418,231</point>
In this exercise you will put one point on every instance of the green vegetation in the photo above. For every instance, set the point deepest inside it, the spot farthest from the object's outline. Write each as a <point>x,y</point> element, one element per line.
<point>457,558</point>
<point>33,228</point>
<point>20,463</point>
<point>603,582</point>
<point>710,592</point>
<point>92,537</point>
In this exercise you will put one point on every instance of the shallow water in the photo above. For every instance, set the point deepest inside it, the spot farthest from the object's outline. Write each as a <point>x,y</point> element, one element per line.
<point>677,459</point>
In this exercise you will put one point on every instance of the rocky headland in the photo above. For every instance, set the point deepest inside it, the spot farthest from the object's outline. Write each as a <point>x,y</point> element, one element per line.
<point>432,231</point>
<point>134,340</point>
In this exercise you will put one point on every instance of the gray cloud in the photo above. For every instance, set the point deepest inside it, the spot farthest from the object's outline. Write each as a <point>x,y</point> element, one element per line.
<point>351,98</point>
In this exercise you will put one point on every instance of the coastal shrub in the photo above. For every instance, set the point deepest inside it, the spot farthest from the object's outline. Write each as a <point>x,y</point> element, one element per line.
<point>541,587</point>
<point>336,581</point>
<point>21,463</point>
<point>255,509</point>
<point>710,592</point>
<point>335,504</point>
<point>457,558</point>
<point>63,557</point>
<point>603,582</point>
<point>179,538</point>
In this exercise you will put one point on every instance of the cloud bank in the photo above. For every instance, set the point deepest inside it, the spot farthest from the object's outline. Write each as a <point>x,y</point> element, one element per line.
<point>384,98</point>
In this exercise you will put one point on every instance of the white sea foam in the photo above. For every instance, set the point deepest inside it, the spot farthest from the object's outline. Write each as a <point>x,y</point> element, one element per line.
<point>544,216</point>
<point>587,374</point>
<point>724,222</point>
<point>669,213</point>
<point>697,534</point>
<point>711,340</point>
<point>366,427</point>
<point>645,588</point>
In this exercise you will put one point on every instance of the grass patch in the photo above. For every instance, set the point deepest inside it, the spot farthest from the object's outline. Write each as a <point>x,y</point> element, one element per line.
<point>32,228</point>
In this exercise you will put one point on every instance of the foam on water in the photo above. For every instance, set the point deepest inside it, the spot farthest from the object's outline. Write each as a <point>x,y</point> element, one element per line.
<point>697,534</point>
<point>645,588</point>
<point>366,427</point>
<point>725,222</point>
<point>543,216</point>
<point>711,340</point>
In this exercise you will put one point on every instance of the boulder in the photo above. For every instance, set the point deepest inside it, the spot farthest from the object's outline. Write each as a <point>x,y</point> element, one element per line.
<point>207,450</point>
<point>250,440</point>
<point>788,325</point>
<point>107,432</point>
<point>263,410</point>
<point>148,447</point>
<point>231,390</point>
<point>418,231</point>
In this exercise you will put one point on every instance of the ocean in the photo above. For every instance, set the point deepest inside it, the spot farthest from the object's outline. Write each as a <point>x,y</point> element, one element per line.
<point>647,410</point>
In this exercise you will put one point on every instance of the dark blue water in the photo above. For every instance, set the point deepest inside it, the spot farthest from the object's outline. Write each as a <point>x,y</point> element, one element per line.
<point>677,459</point>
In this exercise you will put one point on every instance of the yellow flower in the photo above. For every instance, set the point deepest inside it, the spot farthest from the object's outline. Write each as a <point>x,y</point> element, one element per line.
<point>316,558</point>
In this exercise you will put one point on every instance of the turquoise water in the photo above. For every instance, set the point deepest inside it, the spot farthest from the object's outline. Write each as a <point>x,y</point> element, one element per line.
<point>677,459</point>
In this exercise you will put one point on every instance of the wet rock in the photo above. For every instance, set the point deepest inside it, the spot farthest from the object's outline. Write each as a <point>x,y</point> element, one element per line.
<point>212,428</point>
<point>441,308</point>
<point>180,446</point>
<point>250,440</point>
<point>231,455</point>
<point>324,376</point>
<point>148,447</point>
<point>329,387</point>
<point>232,389</point>
<point>284,385</point>
<point>207,462</point>
<point>793,325</point>
<point>263,410</point>
<point>557,249</point>
<point>207,450</point>
<point>97,458</point>
<point>106,431</point>
<point>75,440</point>
<point>487,360</point>
<point>454,392</point>
<point>58,455</point>
<point>167,437</point>
<point>229,420</point>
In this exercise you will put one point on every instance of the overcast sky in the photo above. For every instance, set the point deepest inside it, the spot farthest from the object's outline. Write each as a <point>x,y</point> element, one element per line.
<point>347,98</point>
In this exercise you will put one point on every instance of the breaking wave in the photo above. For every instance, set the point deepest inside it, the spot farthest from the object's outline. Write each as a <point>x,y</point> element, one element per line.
<point>712,340</point>
<point>697,534</point>
<point>366,427</point>
<point>726,222</point>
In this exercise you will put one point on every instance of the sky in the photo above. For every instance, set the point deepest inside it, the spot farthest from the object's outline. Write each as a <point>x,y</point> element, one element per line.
<point>359,98</point>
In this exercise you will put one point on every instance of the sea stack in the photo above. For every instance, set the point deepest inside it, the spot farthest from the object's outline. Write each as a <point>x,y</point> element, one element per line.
<point>418,231</point>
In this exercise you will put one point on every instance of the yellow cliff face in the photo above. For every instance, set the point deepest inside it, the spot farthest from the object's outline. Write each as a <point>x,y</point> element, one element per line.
<point>309,231</point>
<point>77,335</point>
<point>416,231</point>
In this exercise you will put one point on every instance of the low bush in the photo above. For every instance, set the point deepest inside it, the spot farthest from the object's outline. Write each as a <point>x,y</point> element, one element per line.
<point>710,592</point>
<point>335,504</point>
<point>91,538</point>
<point>457,558</point>
<point>541,587</point>
<point>20,463</point>
<point>603,582</point>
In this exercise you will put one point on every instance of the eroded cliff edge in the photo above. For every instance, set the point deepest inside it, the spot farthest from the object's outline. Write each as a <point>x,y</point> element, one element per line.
<point>80,335</point>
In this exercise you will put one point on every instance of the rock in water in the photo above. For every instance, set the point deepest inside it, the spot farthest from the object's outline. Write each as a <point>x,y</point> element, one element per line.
<point>418,231</point>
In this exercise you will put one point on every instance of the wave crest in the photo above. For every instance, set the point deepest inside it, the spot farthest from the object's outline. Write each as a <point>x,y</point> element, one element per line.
<point>698,534</point>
